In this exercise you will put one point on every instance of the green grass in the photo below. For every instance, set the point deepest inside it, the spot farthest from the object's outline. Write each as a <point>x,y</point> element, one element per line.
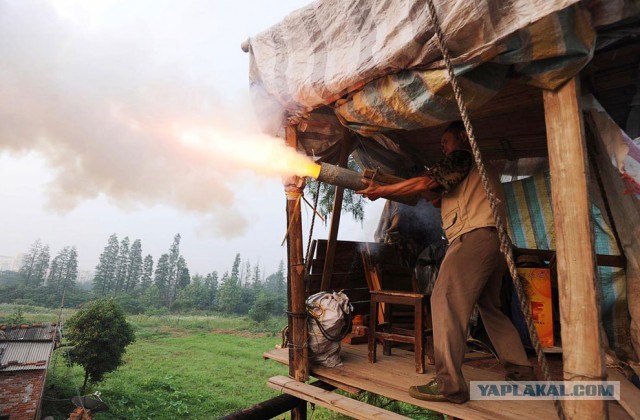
<point>192,367</point>
<point>183,367</point>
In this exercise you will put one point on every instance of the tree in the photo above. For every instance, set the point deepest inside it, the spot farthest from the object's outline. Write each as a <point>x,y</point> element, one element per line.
<point>42,266</point>
<point>99,334</point>
<point>263,308</point>
<point>64,270</point>
<point>175,265</point>
<point>136,266</point>
<point>230,294</point>
<point>184,278</point>
<point>147,273</point>
<point>122,265</point>
<point>161,279</point>
<point>104,279</point>
<point>211,281</point>
<point>35,264</point>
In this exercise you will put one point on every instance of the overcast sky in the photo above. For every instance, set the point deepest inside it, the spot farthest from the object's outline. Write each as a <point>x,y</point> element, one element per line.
<point>100,103</point>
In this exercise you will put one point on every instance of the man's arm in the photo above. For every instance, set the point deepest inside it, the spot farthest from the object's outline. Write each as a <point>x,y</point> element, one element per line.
<point>419,185</point>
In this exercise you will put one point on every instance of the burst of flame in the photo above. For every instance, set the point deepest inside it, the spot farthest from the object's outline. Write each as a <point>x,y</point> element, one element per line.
<point>258,152</point>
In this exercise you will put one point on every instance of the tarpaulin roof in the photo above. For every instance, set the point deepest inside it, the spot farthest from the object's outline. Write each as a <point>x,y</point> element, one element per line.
<point>376,64</point>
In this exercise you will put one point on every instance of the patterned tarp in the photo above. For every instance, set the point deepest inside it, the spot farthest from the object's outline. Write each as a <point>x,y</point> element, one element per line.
<point>379,60</point>
<point>530,221</point>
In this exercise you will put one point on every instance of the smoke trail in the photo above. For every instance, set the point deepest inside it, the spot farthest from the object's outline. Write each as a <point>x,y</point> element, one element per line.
<point>111,118</point>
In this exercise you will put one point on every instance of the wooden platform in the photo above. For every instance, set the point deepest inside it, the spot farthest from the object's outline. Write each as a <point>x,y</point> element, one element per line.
<point>392,376</point>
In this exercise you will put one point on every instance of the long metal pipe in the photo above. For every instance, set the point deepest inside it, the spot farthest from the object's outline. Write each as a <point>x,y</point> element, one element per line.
<point>347,178</point>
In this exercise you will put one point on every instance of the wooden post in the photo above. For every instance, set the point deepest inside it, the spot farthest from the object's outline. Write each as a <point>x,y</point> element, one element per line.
<point>298,353</point>
<point>583,357</point>
<point>327,271</point>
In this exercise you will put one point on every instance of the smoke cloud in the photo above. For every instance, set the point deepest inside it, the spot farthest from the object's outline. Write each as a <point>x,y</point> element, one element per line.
<point>112,117</point>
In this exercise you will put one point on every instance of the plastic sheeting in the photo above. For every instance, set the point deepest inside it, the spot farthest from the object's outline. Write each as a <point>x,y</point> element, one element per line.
<point>376,61</point>
<point>530,221</point>
<point>323,51</point>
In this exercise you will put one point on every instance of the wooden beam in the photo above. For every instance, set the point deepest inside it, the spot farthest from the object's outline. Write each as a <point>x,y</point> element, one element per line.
<point>327,272</point>
<point>298,353</point>
<point>332,401</point>
<point>629,394</point>
<point>583,356</point>
<point>272,408</point>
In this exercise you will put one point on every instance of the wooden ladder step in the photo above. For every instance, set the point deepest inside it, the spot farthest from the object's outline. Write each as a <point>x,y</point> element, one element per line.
<point>332,401</point>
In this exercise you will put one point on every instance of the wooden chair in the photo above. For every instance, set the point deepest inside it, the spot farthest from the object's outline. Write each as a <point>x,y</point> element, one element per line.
<point>391,283</point>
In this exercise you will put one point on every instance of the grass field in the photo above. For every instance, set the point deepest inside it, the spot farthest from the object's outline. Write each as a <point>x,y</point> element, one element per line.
<point>181,367</point>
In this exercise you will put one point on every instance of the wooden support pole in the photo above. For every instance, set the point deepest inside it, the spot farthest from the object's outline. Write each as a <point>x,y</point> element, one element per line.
<point>327,271</point>
<point>298,352</point>
<point>583,357</point>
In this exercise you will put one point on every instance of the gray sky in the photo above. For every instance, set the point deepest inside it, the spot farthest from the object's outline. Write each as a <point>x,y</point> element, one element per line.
<point>109,116</point>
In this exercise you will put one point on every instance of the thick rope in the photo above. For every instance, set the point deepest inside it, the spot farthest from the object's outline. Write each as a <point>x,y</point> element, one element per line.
<point>505,243</point>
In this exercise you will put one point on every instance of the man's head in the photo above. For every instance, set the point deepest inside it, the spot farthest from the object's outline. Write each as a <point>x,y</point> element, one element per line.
<point>454,138</point>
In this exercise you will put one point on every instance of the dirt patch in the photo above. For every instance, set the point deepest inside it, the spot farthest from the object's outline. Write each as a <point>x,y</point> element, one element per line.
<point>175,332</point>
<point>244,334</point>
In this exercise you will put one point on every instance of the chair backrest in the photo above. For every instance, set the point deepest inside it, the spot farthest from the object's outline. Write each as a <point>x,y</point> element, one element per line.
<point>385,269</point>
<point>348,274</point>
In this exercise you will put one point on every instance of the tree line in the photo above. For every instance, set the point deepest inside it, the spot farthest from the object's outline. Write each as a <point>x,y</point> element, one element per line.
<point>139,284</point>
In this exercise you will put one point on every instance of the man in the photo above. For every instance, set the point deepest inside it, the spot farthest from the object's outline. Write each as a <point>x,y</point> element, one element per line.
<point>471,272</point>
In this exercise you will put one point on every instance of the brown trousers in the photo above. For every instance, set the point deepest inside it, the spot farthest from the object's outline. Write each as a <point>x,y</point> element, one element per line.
<point>470,273</point>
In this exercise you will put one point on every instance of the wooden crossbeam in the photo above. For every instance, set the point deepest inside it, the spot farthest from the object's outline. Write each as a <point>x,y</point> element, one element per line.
<point>332,401</point>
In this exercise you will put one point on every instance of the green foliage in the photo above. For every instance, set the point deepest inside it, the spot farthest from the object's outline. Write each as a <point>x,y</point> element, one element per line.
<point>263,307</point>
<point>230,295</point>
<point>17,317</point>
<point>99,334</point>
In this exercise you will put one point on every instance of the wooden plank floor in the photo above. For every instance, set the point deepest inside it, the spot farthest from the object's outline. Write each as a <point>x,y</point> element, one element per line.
<point>391,376</point>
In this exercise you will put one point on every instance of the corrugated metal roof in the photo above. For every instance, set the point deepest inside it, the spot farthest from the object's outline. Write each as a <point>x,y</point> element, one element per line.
<point>26,347</point>
<point>13,332</point>
<point>24,356</point>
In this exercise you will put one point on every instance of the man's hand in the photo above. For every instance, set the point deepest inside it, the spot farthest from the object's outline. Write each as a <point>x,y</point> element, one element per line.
<point>373,190</point>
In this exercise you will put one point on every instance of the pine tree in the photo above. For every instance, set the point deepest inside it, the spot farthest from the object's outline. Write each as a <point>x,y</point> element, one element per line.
<point>174,269</point>
<point>230,294</point>
<point>122,266</point>
<point>104,279</point>
<point>64,270</point>
<point>41,267</point>
<point>211,282</point>
<point>28,266</point>
<point>147,273</point>
<point>136,266</point>
<point>161,279</point>
<point>184,278</point>
<point>235,269</point>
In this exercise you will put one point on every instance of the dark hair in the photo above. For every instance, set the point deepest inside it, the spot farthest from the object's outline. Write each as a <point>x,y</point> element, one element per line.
<point>456,127</point>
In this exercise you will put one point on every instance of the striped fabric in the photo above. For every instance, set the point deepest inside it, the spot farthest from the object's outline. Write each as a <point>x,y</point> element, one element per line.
<point>545,54</point>
<point>320,52</point>
<point>530,221</point>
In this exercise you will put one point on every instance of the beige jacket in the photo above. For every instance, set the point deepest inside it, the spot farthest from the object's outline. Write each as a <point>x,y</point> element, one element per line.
<point>467,208</point>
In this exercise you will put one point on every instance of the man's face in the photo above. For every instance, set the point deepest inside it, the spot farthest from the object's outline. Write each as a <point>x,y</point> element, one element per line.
<point>452,141</point>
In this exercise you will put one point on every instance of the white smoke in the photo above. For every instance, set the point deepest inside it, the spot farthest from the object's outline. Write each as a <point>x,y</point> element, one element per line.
<point>106,112</point>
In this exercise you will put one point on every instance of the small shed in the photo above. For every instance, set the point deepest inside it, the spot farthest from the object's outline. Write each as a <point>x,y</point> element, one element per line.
<point>546,81</point>
<point>25,353</point>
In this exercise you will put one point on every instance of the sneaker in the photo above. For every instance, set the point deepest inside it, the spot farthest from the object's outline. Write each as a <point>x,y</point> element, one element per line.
<point>428,392</point>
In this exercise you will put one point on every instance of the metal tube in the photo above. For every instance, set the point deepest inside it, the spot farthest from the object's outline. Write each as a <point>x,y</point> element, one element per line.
<point>341,177</point>
<point>346,178</point>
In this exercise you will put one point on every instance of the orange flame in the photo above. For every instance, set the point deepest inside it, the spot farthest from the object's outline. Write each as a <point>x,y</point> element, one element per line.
<point>259,152</point>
